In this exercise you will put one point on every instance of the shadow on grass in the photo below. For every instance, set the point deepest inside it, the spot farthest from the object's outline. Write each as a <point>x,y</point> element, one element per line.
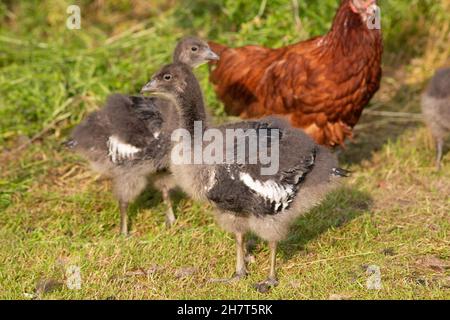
<point>152,198</point>
<point>338,209</point>
<point>374,131</point>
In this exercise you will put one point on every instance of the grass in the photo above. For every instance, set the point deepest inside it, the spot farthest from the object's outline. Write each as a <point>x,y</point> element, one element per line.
<point>54,213</point>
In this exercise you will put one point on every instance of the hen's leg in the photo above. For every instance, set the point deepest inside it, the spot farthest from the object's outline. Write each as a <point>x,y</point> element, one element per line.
<point>439,152</point>
<point>123,218</point>
<point>241,270</point>
<point>272,280</point>
<point>170,216</point>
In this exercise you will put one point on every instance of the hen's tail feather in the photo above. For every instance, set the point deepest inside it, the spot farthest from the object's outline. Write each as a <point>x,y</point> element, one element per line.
<point>217,48</point>
<point>339,172</point>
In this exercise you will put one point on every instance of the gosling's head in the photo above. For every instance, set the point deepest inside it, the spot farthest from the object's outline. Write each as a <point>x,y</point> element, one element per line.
<point>174,82</point>
<point>193,52</point>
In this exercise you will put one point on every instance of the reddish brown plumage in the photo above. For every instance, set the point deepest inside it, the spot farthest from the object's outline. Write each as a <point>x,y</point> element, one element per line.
<point>321,85</point>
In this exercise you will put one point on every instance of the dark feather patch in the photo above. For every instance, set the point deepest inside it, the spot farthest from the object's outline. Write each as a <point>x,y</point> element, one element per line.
<point>232,195</point>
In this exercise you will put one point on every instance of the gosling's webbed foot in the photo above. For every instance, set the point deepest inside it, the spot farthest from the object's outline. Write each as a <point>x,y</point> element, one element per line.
<point>124,231</point>
<point>250,258</point>
<point>170,220</point>
<point>264,287</point>
<point>125,234</point>
<point>438,165</point>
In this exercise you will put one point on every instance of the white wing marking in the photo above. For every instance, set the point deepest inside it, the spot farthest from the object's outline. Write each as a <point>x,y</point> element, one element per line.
<point>119,151</point>
<point>212,180</point>
<point>270,190</point>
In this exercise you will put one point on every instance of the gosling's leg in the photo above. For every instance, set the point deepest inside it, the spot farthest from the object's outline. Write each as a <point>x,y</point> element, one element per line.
<point>272,280</point>
<point>123,218</point>
<point>439,152</point>
<point>170,216</point>
<point>241,270</point>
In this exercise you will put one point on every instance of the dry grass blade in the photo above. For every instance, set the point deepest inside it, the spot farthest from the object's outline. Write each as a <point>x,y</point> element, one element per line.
<point>393,114</point>
<point>330,259</point>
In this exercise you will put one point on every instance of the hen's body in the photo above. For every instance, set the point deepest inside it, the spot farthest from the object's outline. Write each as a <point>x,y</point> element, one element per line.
<point>321,85</point>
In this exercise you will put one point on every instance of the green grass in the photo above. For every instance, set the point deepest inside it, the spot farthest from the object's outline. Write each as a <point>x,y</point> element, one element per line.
<point>393,212</point>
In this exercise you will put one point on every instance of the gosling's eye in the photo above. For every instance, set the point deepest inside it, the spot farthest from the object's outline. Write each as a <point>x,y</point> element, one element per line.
<point>167,77</point>
<point>194,49</point>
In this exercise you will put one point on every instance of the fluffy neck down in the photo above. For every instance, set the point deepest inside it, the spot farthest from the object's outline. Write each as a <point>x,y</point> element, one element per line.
<point>189,103</point>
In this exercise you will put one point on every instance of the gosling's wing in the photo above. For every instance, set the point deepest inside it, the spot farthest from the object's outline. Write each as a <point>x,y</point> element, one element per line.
<point>245,189</point>
<point>136,124</point>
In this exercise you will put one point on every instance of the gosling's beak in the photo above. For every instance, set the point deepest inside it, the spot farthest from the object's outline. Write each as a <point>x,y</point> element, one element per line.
<point>211,55</point>
<point>150,87</point>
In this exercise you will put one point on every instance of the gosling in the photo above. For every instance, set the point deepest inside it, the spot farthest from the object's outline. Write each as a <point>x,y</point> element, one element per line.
<point>436,110</point>
<point>245,200</point>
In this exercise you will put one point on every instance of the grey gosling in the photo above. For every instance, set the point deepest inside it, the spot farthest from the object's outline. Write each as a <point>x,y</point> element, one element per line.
<point>436,109</point>
<point>129,138</point>
<point>244,199</point>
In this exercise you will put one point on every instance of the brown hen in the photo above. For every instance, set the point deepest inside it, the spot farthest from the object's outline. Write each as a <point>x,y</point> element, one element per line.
<point>320,85</point>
